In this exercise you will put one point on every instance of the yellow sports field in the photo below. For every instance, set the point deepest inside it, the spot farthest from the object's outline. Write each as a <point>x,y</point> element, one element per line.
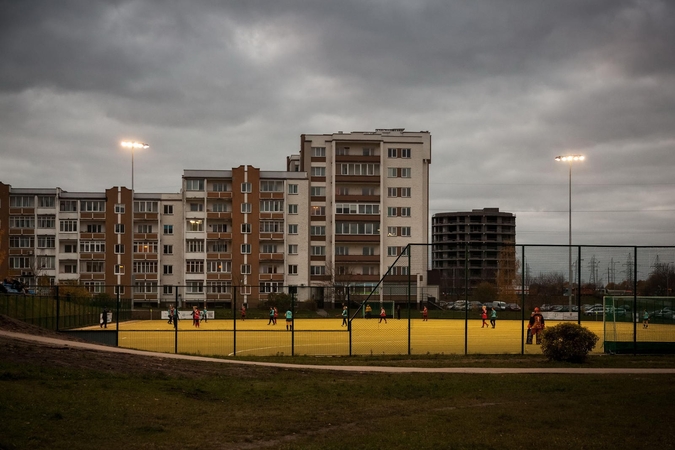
<point>326,337</point>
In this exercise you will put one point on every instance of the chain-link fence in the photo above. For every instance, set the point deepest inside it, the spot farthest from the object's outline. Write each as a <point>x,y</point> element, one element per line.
<point>478,298</point>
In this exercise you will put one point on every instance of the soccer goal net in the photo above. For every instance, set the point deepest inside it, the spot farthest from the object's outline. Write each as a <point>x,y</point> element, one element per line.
<point>622,315</point>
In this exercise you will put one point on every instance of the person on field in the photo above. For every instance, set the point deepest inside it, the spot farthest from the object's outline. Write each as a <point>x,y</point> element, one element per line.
<point>383,315</point>
<point>104,318</point>
<point>271,321</point>
<point>645,318</point>
<point>425,314</point>
<point>276,314</point>
<point>204,315</point>
<point>243,312</point>
<point>170,313</point>
<point>195,316</point>
<point>535,326</point>
<point>483,315</point>
<point>493,317</point>
<point>369,311</point>
<point>345,313</point>
<point>289,320</point>
<point>175,317</point>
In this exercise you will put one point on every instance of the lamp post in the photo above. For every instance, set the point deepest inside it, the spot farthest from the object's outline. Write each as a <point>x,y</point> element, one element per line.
<point>133,145</point>
<point>570,159</point>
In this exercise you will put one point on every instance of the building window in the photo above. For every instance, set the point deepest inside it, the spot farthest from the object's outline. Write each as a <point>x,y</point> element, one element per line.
<point>405,192</point>
<point>318,191</point>
<point>167,289</point>
<point>271,186</point>
<point>318,211</point>
<point>246,208</point>
<point>319,152</point>
<point>21,201</point>
<point>46,221</point>
<point>22,222</point>
<point>245,228</point>
<point>70,248</point>
<point>142,229</point>
<point>195,225</point>
<point>271,226</point>
<point>68,206</point>
<point>219,207</point>
<point>392,153</point>
<point>92,247</point>
<point>94,228</point>
<point>406,172</point>
<point>292,269</point>
<point>392,192</point>
<point>318,171</point>
<point>119,209</point>
<point>391,211</point>
<point>391,231</point>
<point>271,205</point>
<point>194,287</point>
<point>92,206</point>
<point>145,247</point>
<point>392,251</point>
<point>368,151</point>
<point>292,249</point>
<point>168,209</point>
<point>194,185</point>
<point>405,153</point>
<point>66,226</point>
<point>119,269</point>
<point>293,189</point>
<point>405,231</point>
<point>245,269</point>
<point>245,249</point>
<point>292,228</point>
<point>21,241</point>
<point>168,269</point>
<point>368,251</point>
<point>70,268</point>
<point>405,211</point>
<point>318,250</point>
<point>46,241</point>
<point>146,207</point>
<point>219,266</point>
<point>219,187</point>
<point>194,266</point>
<point>195,246</point>
<point>341,251</point>
<point>119,249</point>
<point>168,229</point>
<point>318,270</point>
<point>357,228</point>
<point>46,202</point>
<point>367,191</point>
<point>219,228</point>
<point>392,172</point>
<point>317,230</point>
<point>246,188</point>
<point>119,228</point>
<point>196,207</point>
<point>268,248</point>
<point>168,249</point>
<point>342,191</point>
<point>219,247</point>
<point>92,267</point>
<point>292,209</point>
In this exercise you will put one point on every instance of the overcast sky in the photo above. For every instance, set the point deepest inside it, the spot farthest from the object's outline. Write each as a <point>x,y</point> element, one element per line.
<point>503,87</point>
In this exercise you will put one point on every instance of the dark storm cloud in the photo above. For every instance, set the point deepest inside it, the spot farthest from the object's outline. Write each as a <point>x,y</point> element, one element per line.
<point>503,86</point>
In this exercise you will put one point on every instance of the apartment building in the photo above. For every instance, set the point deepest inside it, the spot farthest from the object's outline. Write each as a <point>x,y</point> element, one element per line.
<point>369,197</point>
<point>341,213</point>
<point>472,241</point>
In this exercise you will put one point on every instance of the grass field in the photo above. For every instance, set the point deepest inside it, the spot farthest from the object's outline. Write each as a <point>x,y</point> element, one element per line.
<point>326,337</point>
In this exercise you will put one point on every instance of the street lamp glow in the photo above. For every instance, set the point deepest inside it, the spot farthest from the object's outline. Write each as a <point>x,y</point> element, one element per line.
<point>570,159</point>
<point>134,144</point>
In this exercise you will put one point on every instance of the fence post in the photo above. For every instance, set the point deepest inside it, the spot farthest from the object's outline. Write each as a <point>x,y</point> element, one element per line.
<point>466,298</point>
<point>176,318</point>
<point>349,323</point>
<point>522,301</point>
<point>234,320</point>
<point>635,311</point>
<point>409,248</point>
<point>58,306</point>
<point>117,319</point>
<point>293,321</point>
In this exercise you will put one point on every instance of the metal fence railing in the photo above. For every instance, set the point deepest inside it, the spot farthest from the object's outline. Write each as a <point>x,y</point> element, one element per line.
<point>509,280</point>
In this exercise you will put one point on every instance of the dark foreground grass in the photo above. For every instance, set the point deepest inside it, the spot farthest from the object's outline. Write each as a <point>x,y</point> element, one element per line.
<point>234,407</point>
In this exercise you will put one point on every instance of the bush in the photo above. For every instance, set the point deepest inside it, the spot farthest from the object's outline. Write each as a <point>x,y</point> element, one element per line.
<point>567,342</point>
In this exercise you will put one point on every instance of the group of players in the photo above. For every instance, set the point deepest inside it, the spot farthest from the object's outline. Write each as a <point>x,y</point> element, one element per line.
<point>198,315</point>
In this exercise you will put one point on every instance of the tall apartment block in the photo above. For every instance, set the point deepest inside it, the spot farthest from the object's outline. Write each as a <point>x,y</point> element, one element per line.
<point>472,240</point>
<point>369,198</point>
<point>340,213</point>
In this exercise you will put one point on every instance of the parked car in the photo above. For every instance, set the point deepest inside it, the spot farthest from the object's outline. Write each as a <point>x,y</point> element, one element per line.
<point>513,307</point>
<point>7,289</point>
